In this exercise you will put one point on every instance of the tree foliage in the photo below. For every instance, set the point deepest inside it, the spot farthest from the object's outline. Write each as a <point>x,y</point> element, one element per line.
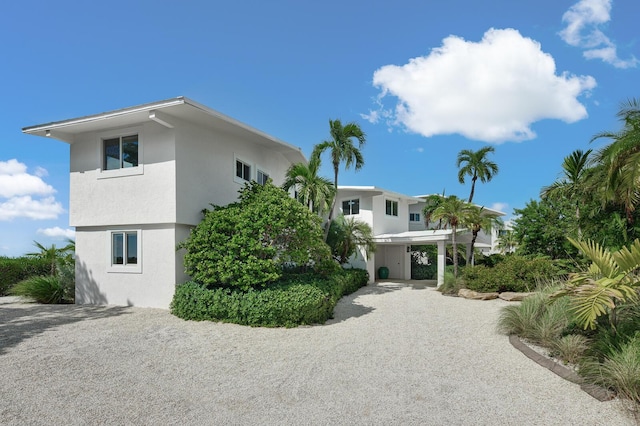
<point>313,190</point>
<point>248,243</point>
<point>477,165</point>
<point>348,234</point>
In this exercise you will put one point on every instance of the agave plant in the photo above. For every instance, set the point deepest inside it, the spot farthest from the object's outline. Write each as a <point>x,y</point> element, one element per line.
<point>610,280</point>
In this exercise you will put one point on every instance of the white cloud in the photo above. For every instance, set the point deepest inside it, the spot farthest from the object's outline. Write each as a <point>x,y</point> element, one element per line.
<point>583,21</point>
<point>492,90</point>
<point>41,172</point>
<point>15,181</point>
<point>420,149</point>
<point>500,207</point>
<point>58,232</point>
<point>25,206</point>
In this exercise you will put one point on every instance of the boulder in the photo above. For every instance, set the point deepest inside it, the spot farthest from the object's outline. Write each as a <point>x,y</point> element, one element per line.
<point>474,295</point>
<point>511,296</point>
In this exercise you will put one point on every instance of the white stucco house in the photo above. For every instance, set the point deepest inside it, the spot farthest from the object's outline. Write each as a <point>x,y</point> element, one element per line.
<point>140,178</point>
<point>398,223</point>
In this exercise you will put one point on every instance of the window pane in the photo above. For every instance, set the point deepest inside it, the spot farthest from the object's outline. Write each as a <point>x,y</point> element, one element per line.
<point>132,248</point>
<point>395,208</point>
<point>111,154</point>
<point>355,206</point>
<point>117,257</point>
<point>130,151</point>
<point>247,172</point>
<point>346,207</point>
<point>388,207</point>
<point>262,177</point>
<point>239,168</point>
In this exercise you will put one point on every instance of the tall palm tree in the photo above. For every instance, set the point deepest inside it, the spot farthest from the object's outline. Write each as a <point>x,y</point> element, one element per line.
<point>478,220</point>
<point>572,185</point>
<point>314,191</point>
<point>431,203</point>
<point>477,165</point>
<point>621,159</point>
<point>342,150</point>
<point>453,211</point>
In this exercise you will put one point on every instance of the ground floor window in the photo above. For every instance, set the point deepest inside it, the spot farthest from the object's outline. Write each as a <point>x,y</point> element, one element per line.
<point>414,217</point>
<point>124,251</point>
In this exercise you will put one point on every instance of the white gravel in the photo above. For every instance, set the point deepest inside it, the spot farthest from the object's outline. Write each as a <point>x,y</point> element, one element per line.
<point>394,354</point>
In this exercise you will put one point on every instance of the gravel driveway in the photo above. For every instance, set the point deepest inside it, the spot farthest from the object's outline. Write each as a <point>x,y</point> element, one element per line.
<point>395,353</point>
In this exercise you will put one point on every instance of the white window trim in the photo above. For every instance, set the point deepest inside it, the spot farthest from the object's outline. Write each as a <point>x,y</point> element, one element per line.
<point>263,170</point>
<point>240,180</point>
<point>385,207</point>
<point>129,171</point>
<point>126,269</point>
<point>412,213</point>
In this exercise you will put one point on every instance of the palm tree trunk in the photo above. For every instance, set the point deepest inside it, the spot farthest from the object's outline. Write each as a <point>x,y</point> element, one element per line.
<point>333,203</point>
<point>455,252</point>
<point>473,244</point>
<point>473,187</point>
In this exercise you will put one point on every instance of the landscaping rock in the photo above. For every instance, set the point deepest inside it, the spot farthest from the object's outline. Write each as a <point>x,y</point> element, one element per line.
<point>511,296</point>
<point>474,295</point>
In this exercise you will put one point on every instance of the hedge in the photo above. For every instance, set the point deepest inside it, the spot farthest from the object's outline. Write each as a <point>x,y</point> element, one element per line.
<point>14,270</point>
<point>514,273</point>
<point>294,300</point>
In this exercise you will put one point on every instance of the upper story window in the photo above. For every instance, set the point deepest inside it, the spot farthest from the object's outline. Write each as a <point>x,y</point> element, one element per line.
<point>263,177</point>
<point>243,170</point>
<point>414,217</point>
<point>391,208</point>
<point>351,207</point>
<point>120,152</point>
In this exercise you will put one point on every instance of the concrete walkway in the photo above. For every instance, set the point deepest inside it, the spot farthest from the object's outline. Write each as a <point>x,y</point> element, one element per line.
<point>394,354</point>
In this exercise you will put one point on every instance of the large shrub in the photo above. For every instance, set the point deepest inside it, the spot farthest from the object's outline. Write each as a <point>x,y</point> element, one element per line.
<point>294,300</point>
<point>14,270</point>
<point>248,243</point>
<point>514,273</point>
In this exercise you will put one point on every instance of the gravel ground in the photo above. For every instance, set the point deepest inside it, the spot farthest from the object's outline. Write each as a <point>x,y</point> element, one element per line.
<point>395,353</point>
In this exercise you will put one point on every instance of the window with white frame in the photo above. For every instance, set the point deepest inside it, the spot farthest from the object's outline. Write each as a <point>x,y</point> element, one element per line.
<point>262,177</point>
<point>414,217</point>
<point>391,208</point>
<point>124,251</point>
<point>243,170</point>
<point>120,152</point>
<point>351,207</point>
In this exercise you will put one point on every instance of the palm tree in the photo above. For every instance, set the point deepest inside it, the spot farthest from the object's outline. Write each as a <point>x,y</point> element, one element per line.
<point>476,165</point>
<point>575,168</point>
<point>610,280</point>
<point>348,234</point>
<point>314,191</point>
<point>342,150</point>
<point>453,211</point>
<point>621,159</point>
<point>507,242</point>
<point>431,203</point>
<point>53,254</point>
<point>477,220</point>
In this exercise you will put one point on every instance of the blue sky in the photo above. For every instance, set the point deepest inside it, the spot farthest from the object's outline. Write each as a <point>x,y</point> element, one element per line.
<point>424,79</point>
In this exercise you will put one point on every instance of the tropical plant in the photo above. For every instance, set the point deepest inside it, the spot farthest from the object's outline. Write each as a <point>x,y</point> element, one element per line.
<point>507,242</point>
<point>313,190</point>
<point>43,289</point>
<point>348,234</point>
<point>248,243</point>
<point>477,219</point>
<point>477,165</point>
<point>621,159</point>
<point>572,184</point>
<point>610,280</point>
<point>453,211</point>
<point>342,149</point>
<point>431,203</point>
<point>53,255</point>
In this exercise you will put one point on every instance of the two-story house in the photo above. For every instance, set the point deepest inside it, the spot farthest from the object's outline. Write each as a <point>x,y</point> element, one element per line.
<point>140,178</point>
<point>398,223</point>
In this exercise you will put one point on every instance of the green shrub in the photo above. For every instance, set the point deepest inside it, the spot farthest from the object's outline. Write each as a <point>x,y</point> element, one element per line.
<point>514,273</point>
<point>451,285</point>
<point>14,270</point>
<point>570,348</point>
<point>42,289</point>
<point>490,260</point>
<point>248,244</point>
<point>294,300</point>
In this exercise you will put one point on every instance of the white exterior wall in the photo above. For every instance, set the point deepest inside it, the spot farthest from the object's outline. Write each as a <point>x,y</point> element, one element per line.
<point>416,226</point>
<point>152,287</point>
<point>110,198</point>
<point>386,224</point>
<point>207,167</point>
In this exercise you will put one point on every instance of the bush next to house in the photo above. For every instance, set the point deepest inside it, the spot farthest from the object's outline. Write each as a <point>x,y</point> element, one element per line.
<point>294,300</point>
<point>248,244</point>
<point>514,273</point>
<point>14,270</point>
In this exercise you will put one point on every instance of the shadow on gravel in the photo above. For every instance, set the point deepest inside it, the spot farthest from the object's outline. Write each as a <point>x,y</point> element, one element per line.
<point>23,321</point>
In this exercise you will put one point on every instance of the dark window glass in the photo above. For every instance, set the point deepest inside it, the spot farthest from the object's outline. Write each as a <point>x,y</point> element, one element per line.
<point>130,151</point>
<point>351,207</point>
<point>120,152</point>
<point>111,154</point>
<point>117,249</point>
<point>132,248</point>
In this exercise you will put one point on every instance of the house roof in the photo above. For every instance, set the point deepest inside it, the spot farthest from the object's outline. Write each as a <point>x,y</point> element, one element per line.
<point>163,112</point>
<point>374,190</point>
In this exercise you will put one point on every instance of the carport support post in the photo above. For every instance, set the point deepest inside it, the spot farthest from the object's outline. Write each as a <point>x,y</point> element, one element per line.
<point>441,262</point>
